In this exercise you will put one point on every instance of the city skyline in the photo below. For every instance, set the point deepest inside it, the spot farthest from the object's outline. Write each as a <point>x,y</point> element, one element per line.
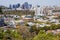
<point>33,2</point>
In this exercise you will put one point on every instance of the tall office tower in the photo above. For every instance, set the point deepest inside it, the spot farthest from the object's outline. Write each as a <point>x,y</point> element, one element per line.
<point>26,5</point>
<point>10,6</point>
<point>30,6</point>
<point>14,6</point>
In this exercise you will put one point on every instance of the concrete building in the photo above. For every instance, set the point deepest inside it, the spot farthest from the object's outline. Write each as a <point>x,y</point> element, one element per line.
<point>56,12</point>
<point>51,10</point>
<point>38,11</point>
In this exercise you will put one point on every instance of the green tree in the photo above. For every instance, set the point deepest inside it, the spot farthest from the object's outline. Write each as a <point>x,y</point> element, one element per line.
<point>42,35</point>
<point>0,10</point>
<point>10,34</point>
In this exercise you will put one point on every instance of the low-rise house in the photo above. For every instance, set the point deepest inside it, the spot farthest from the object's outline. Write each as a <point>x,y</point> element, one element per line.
<point>12,24</point>
<point>31,23</point>
<point>53,31</point>
<point>56,12</point>
<point>11,20</point>
<point>28,18</point>
<point>58,30</point>
<point>23,16</point>
<point>41,20</point>
<point>42,25</point>
<point>54,21</point>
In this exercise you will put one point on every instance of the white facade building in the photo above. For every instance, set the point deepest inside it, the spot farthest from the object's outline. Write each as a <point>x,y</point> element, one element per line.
<point>38,11</point>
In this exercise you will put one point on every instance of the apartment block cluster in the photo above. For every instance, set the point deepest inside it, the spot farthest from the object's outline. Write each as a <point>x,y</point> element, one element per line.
<point>43,11</point>
<point>47,10</point>
<point>41,14</point>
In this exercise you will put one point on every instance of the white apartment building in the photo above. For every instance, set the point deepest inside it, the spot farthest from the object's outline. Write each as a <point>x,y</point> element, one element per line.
<point>38,11</point>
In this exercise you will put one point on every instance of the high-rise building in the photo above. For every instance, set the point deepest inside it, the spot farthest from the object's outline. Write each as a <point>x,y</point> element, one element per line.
<point>30,5</point>
<point>38,11</point>
<point>14,6</point>
<point>26,5</point>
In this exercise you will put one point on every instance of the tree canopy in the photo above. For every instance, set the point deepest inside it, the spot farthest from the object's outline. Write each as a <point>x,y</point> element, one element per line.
<point>42,35</point>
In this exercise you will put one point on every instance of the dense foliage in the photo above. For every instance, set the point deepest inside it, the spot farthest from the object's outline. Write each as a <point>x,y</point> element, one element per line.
<point>52,27</point>
<point>33,33</point>
<point>0,10</point>
<point>42,35</point>
<point>9,34</point>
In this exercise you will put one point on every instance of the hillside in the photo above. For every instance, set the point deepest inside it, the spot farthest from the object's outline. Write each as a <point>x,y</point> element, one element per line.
<point>20,12</point>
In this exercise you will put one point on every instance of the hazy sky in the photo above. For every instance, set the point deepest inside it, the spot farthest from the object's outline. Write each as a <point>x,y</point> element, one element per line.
<point>33,2</point>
